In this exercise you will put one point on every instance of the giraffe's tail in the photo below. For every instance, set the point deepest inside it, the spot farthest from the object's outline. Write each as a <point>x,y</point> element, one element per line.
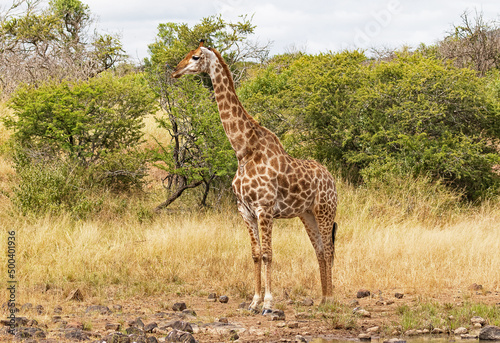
<point>334,231</point>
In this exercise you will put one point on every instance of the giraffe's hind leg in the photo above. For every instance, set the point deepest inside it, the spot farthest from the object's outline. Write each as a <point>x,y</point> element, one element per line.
<point>317,240</point>
<point>327,229</point>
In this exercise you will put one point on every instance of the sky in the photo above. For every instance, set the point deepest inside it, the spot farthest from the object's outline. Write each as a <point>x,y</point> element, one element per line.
<point>305,25</point>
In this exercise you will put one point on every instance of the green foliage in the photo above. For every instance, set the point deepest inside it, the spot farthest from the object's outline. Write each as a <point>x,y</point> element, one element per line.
<point>199,152</point>
<point>82,120</point>
<point>412,115</point>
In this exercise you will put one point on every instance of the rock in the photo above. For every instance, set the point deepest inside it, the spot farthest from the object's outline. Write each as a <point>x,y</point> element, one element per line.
<point>277,315</point>
<point>180,326</point>
<point>478,320</point>
<point>76,334</point>
<point>411,333</point>
<point>180,336</point>
<point>490,333</point>
<point>32,322</point>
<point>223,320</point>
<point>58,309</point>
<point>75,295</point>
<point>27,307</point>
<point>395,340</point>
<point>300,339</point>
<point>460,331</point>
<point>136,338</point>
<point>475,287</point>
<point>468,336</point>
<point>116,337</point>
<point>179,307</point>
<point>117,307</point>
<point>308,302</point>
<point>224,299</point>
<point>363,293</point>
<point>293,325</point>
<point>364,337</point>
<point>189,312</point>
<point>98,308</point>
<point>18,321</point>
<point>137,323</point>
<point>39,309</point>
<point>134,330</point>
<point>437,331</point>
<point>23,333</point>
<point>477,325</point>
<point>373,329</point>
<point>113,326</point>
<point>152,339</point>
<point>150,327</point>
<point>212,297</point>
<point>233,335</point>
<point>243,306</point>
<point>399,295</point>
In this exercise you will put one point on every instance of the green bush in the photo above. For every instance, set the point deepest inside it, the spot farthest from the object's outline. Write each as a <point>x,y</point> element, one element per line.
<point>414,115</point>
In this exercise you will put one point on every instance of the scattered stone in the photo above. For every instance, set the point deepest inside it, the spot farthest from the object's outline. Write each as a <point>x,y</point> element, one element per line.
<point>223,320</point>
<point>75,295</point>
<point>437,331</point>
<point>361,312</point>
<point>32,322</point>
<point>98,308</point>
<point>363,293</point>
<point>224,299</point>
<point>136,338</point>
<point>399,295</point>
<point>308,302</point>
<point>179,306</point>
<point>233,335</point>
<point>117,307</point>
<point>475,287</point>
<point>180,336</point>
<point>468,336</point>
<point>76,334</point>
<point>373,329</point>
<point>354,303</point>
<point>137,323</point>
<point>395,340</point>
<point>58,309</point>
<point>300,339</point>
<point>23,333</point>
<point>116,337</point>
<point>293,325</point>
<point>18,321</point>
<point>460,331</point>
<point>39,309</point>
<point>189,312</point>
<point>364,337</point>
<point>389,302</point>
<point>134,330</point>
<point>152,339</point>
<point>277,315</point>
<point>490,333</point>
<point>478,320</point>
<point>212,297</point>
<point>149,328</point>
<point>281,325</point>
<point>477,325</point>
<point>113,326</point>
<point>243,306</point>
<point>180,325</point>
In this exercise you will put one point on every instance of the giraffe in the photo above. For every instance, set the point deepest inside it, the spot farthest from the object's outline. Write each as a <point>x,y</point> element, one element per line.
<point>269,183</point>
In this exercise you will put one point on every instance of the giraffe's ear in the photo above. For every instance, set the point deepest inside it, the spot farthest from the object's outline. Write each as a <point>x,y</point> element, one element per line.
<point>201,42</point>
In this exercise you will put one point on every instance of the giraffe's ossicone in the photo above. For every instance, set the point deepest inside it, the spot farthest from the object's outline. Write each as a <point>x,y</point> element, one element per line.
<point>269,183</point>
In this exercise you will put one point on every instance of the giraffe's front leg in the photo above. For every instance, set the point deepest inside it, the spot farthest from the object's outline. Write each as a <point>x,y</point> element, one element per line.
<point>266,224</point>
<point>253,229</point>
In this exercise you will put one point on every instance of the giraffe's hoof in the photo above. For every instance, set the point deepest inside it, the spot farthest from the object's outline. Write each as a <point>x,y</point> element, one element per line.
<point>266,311</point>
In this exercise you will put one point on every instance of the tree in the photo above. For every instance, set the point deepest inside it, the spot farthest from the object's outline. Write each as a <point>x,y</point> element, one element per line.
<point>413,115</point>
<point>199,152</point>
<point>58,43</point>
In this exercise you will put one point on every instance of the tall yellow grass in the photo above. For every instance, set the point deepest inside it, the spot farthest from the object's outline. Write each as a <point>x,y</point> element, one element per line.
<point>408,235</point>
<point>198,252</point>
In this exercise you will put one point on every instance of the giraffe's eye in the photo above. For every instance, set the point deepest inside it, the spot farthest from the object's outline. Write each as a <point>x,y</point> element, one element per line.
<point>196,58</point>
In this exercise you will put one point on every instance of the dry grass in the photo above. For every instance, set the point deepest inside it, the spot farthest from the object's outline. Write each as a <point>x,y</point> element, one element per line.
<point>402,235</point>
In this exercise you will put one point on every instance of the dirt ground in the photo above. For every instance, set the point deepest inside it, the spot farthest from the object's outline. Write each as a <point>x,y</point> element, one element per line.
<point>70,320</point>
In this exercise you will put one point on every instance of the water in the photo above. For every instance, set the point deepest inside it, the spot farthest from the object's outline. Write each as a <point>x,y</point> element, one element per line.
<point>381,340</point>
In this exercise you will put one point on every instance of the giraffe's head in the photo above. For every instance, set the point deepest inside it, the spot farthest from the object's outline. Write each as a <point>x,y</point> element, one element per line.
<point>196,61</point>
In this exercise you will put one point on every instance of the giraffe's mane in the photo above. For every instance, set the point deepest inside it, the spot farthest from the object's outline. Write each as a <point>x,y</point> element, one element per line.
<point>225,67</point>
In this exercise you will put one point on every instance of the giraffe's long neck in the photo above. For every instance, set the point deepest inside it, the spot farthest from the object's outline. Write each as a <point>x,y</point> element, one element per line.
<point>243,132</point>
